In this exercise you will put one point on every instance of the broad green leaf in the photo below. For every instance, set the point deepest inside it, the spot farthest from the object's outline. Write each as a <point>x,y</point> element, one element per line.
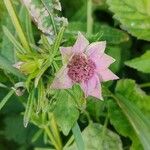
<point>101,32</point>
<point>97,137</point>
<point>7,66</point>
<point>137,119</point>
<point>122,125</point>
<point>133,102</point>
<point>132,92</point>
<point>141,63</point>
<point>134,16</point>
<point>65,112</point>
<point>14,129</point>
<point>6,98</point>
<point>43,13</point>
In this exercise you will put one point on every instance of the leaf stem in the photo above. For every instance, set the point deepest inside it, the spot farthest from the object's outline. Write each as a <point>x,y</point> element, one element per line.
<point>89,17</point>
<point>55,131</point>
<point>50,135</point>
<point>144,85</point>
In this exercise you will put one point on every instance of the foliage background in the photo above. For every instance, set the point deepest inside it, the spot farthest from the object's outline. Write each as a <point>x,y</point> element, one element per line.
<point>121,121</point>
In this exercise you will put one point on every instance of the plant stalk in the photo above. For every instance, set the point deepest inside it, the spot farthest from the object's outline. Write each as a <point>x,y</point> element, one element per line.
<point>89,18</point>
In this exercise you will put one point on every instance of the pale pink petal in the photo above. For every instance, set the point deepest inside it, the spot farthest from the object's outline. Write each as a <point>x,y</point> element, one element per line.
<point>62,80</point>
<point>66,53</point>
<point>107,75</point>
<point>96,49</point>
<point>92,87</point>
<point>80,44</point>
<point>97,92</point>
<point>103,62</point>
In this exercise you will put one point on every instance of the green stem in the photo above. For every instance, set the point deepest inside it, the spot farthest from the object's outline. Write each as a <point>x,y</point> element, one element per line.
<point>50,135</point>
<point>55,131</point>
<point>16,24</point>
<point>144,85</point>
<point>89,17</point>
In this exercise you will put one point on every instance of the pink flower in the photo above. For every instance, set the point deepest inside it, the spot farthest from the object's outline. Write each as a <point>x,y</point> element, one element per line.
<point>85,64</point>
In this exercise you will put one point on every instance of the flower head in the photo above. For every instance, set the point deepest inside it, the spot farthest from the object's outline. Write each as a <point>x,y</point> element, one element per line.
<point>85,64</point>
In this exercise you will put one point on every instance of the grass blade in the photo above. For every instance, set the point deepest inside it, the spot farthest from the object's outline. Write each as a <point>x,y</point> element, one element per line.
<point>137,119</point>
<point>78,137</point>
<point>28,110</point>
<point>16,24</point>
<point>6,98</point>
<point>13,40</point>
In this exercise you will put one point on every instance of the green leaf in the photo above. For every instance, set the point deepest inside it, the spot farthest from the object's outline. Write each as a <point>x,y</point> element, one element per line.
<point>78,137</point>
<point>141,63</point>
<point>6,98</point>
<point>14,129</point>
<point>43,13</point>
<point>7,66</point>
<point>132,92</point>
<point>65,112</point>
<point>101,32</point>
<point>16,24</point>
<point>29,107</point>
<point>122,125</point>
<point>134,104</point>
<point>16,44</point>
<point>96,136</point>
<point>134,16</point>
<point>137,119</point>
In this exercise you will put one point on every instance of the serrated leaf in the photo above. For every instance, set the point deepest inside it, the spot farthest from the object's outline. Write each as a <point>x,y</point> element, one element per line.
<point>65,112</point>
<point>43,13</point>
<point>141,63</point>
<point>134,16</point>
<point>96,138</point>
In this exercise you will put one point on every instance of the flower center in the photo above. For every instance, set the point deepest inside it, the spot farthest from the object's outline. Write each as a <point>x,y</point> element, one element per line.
<point>80,68</point>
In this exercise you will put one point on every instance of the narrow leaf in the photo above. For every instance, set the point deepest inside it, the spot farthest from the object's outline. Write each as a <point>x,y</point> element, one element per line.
<point>137,119</point>
<point>16,24</point>
<point>28,110</point>
<point>6,98</point>
<point>78,137</point>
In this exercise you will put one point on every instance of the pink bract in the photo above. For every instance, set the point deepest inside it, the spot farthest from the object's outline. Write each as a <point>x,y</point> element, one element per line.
<point>85,64</point>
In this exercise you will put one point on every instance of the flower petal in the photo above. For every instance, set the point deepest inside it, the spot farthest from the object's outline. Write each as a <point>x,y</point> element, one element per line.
<point>92,87</point>
<point>66,53</point>
<point>62,80</point>
<point>103,62</point>
<point>96,49</point>
<point>107,75</point>
<point>80,44</point>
